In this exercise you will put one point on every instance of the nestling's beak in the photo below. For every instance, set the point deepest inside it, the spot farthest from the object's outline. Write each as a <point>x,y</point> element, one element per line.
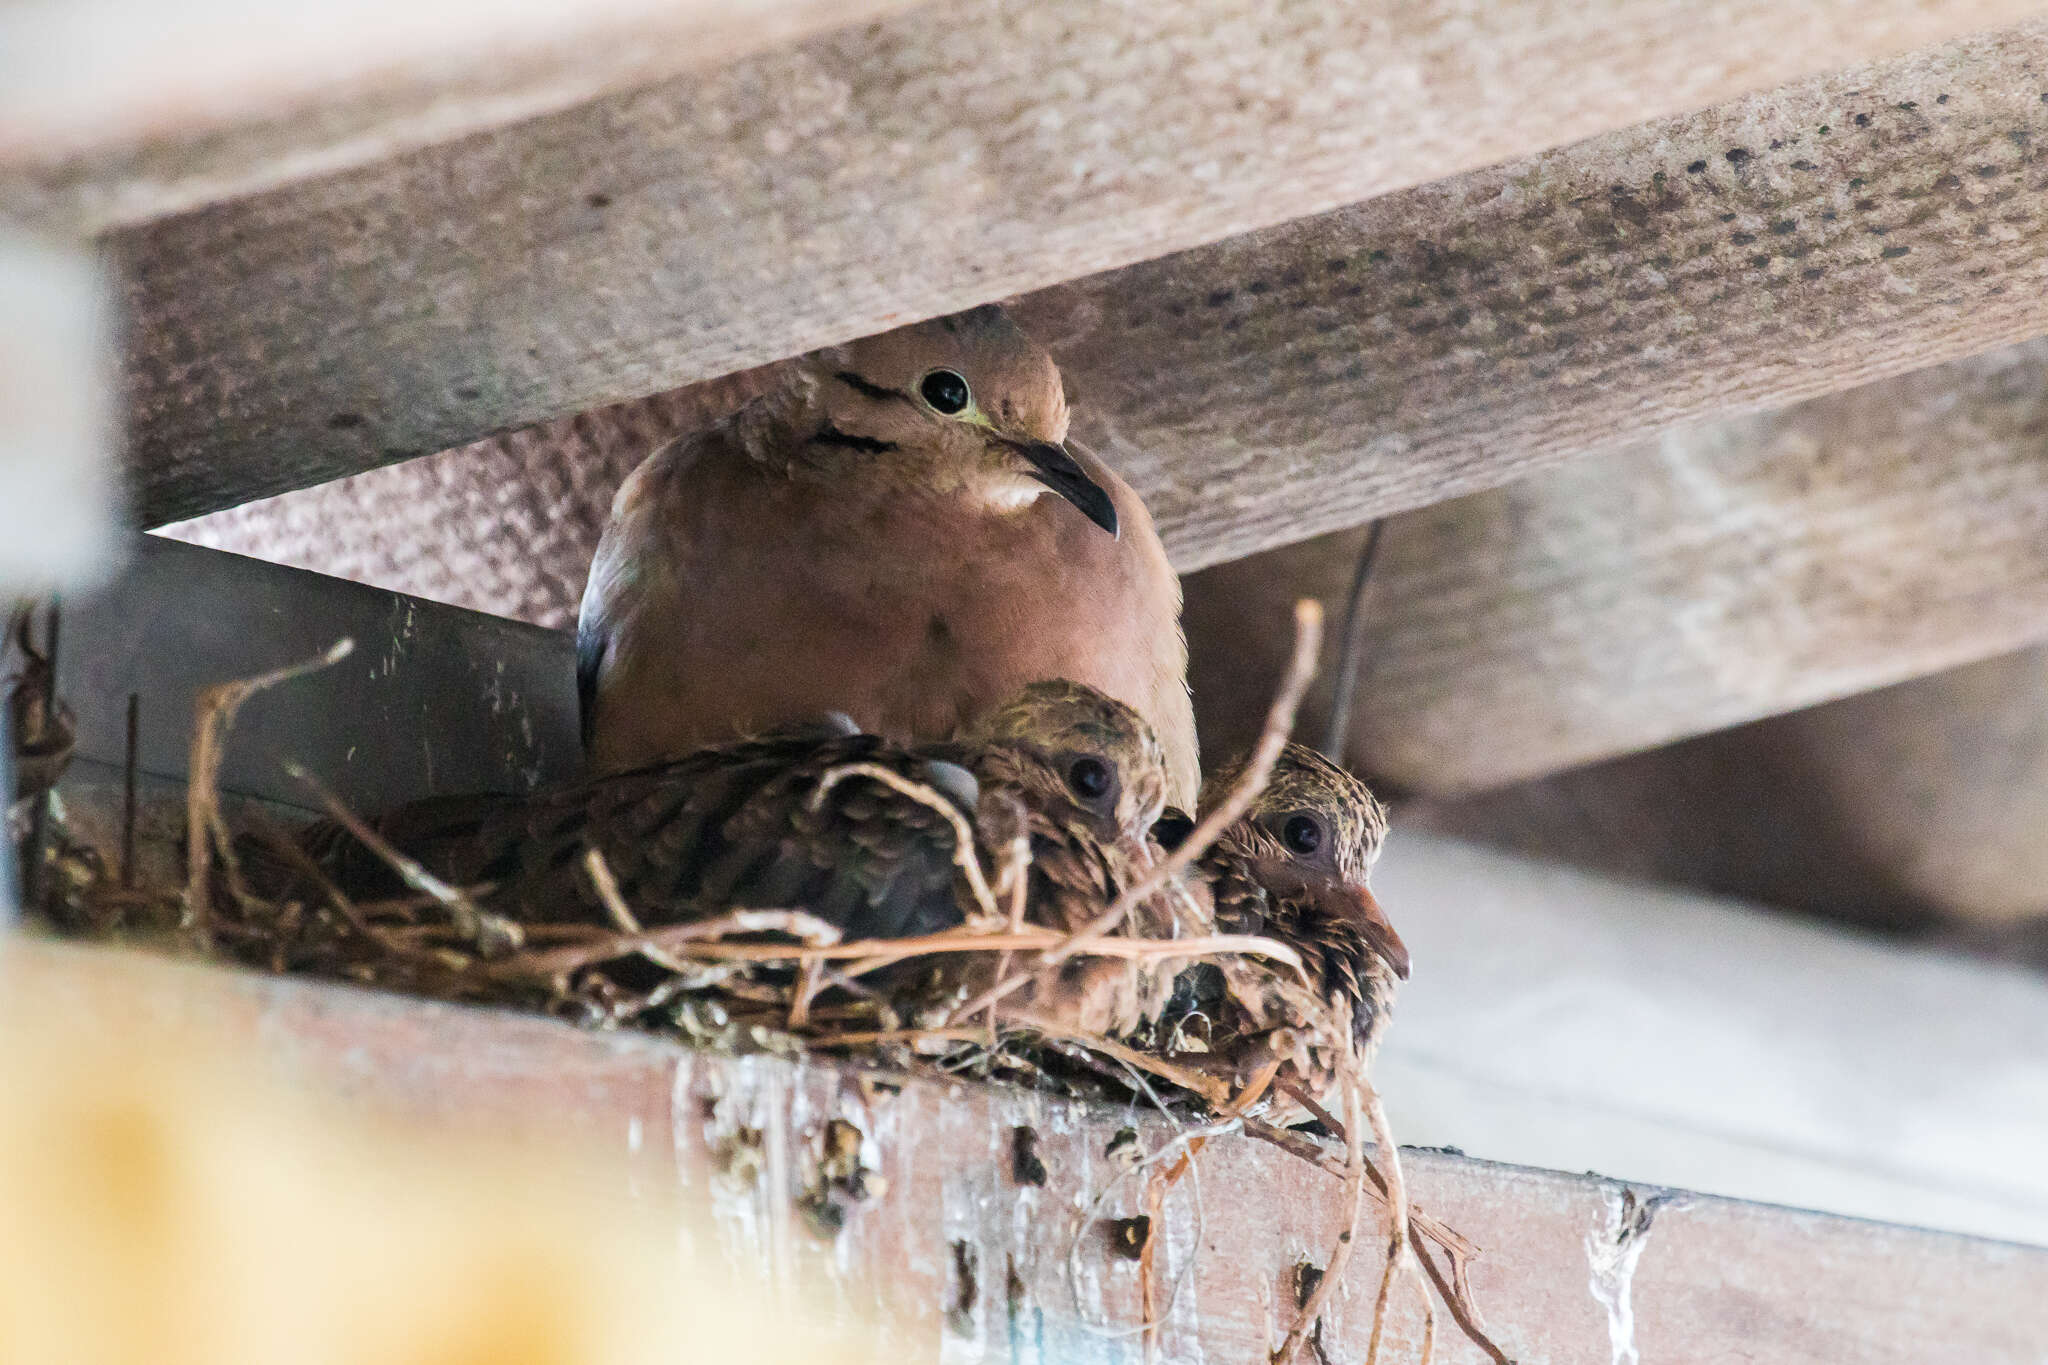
<point>1340,900</point>
<point>1052,466</point>
<point>1376,929</point>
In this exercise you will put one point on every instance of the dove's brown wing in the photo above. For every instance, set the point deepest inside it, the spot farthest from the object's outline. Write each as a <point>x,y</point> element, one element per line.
<point>726,828</point>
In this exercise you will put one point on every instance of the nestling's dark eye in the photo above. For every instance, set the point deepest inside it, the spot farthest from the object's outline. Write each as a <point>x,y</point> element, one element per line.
<point>1302,834</point>
<point>946,392</point>
<point>1089,777</point>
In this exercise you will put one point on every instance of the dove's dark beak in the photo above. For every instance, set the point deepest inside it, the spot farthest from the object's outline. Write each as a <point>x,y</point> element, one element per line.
<point>1052,466</point>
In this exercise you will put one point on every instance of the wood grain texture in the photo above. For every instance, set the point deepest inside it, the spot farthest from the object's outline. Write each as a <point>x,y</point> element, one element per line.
<point>113,111</point>
<point>1729,572</point>
<point>506,525</point>
<point>1922,806</point>
<point>1561,1019</point>
<point>1428,343</point>
<point>911,168</point>
<point>975,1266</point>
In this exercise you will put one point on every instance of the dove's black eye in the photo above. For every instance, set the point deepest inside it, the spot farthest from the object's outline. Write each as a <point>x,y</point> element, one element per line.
<point>1302,834</point>
<point>946,391</point>
<point>1089,777</point>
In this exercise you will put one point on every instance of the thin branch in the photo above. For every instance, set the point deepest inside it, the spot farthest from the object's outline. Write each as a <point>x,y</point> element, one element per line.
<point>1179,1144</point>
<point>608,891</point>
<point>39,673</point>
<point>1456,1293</point>
<point>1400,1252</point>
<point>1455,1288</point>
<point>289,849</point>
<point>491,934</point>
<point>879,1037</point>
<point>964,855</point>
<point>128,785</point>
<point>214,712</point>
<point>1340,1256</point>
<point>1208,1087</point>
<point>1350,648</point>
<point>700,939</point>
<point>686,940</point>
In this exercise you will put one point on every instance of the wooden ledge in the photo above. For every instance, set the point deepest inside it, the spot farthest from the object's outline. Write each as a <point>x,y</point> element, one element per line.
<point>974,1263</point>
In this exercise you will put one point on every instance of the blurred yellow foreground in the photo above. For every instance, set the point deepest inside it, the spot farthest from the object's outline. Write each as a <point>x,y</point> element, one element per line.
<point>165,1200</point>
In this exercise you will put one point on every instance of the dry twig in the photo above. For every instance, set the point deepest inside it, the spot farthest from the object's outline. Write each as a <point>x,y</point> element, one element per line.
<point>1400,1252</point>
<point>491,935</point>
<point>215,712</point>
<point>964,856</point>
<point>1208,1087</point>
<point>1456,1287</point>
<point>1340,1256</point>
<point>608,891</point>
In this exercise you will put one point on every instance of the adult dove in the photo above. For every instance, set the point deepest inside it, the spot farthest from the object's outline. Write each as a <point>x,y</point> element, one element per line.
<point>898,532</point>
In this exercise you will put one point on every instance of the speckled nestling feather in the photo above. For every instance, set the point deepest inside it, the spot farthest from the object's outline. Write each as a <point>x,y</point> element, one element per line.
<point>1319,906</point>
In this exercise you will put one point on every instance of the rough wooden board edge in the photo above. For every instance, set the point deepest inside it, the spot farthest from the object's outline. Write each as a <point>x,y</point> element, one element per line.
<point>865,178</point>
<point>1777,248</point>
<point>112,112</point>
<point>505,526</point>
<point>1730,571</point>
<point>1563,1019</point>
<point>1574,1266</point>
<point>433,699</point>
<point>1921,807</point>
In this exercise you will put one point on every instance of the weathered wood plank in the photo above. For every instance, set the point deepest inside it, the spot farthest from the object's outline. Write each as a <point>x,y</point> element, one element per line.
<point>114,111</point>
<point>964,1262</point>
<point>1729,572</point>
<point>1922,806</point>
<point>505,526</point>
<point>1303,379</point>
<point>1561,1019</point>
<point>914,167</point>
<point>432,700</point>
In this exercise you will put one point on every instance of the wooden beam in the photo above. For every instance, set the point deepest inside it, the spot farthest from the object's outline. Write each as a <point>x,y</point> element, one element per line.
<point>1922,806</point>
<point>505,526</point>
<point>1728,572</point>
<point>431,699</point>
<point>1708,1044</point>
<point>947,1251</point>
<point>911,168</point>
<point>115,111</point>
<point>1426,344</point>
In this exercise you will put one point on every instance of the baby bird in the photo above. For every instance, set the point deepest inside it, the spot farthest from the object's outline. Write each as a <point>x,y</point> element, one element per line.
<point>899,533</point>
<point>1294,869</point>
<point>798,820</point>
<point>1078,867</point>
